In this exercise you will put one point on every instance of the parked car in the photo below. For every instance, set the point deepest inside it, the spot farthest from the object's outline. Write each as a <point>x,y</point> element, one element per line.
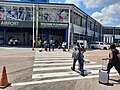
<point>99,45</point>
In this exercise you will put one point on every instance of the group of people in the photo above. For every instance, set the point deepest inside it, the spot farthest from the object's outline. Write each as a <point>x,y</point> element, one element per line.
<point>78,55</point>
<point>45,45</point>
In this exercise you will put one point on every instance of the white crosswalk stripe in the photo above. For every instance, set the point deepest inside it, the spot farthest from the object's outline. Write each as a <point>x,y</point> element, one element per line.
<point>51,67</point>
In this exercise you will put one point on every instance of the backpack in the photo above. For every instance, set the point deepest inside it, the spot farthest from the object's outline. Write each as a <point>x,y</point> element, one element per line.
<point>116,55</point>
<point>76,52</point>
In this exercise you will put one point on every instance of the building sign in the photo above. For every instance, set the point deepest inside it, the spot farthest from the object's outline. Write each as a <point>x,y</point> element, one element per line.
<point>30,24</point>
<point>15,23</point>
<point>9,23</point>
<point>54,25</point>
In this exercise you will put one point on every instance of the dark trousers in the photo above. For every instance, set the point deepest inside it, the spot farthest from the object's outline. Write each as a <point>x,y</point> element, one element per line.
<point>115,64</point>
<point>53,47</point>
<point>81,64</point>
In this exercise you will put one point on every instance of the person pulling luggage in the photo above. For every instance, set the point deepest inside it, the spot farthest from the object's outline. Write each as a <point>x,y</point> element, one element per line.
<point>113,59</point>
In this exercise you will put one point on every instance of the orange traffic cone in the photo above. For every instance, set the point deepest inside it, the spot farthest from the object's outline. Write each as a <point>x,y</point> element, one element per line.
<point>4,81</point>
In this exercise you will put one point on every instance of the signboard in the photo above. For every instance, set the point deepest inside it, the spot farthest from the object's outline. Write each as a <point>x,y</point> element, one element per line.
<point>15,24</point>
<point>54,25</point>
<point>30,24</point>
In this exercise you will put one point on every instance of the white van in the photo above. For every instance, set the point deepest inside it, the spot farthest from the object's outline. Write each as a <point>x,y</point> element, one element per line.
<point>99,45</point>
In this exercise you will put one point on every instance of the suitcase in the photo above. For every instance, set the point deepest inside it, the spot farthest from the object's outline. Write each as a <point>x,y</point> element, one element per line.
<point>103,76</point>
<point>40,49</point>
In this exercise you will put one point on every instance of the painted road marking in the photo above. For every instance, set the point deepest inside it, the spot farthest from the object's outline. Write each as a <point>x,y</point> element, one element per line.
<point>55,61</point>
<point>58,74</point>
<point>44,59</point>
<point>57,80</point>
<point>61,68</point>
<point>59,64</point>
<point>71,73</point>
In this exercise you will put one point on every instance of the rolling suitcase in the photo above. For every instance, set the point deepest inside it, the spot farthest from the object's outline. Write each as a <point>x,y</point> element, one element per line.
<point>103,76</point>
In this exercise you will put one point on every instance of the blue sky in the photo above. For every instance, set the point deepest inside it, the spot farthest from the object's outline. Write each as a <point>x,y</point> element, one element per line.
<point>107,12</point>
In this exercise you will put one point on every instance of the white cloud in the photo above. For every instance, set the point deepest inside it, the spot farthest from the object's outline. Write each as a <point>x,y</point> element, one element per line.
<point>10,0</point>
<point>59,2</point>
<point>98,3</point>
<point>52,2</point>
<point>118,25</point>
<point>76,2</point>
<point>92,3</point>
<point>108,15</point>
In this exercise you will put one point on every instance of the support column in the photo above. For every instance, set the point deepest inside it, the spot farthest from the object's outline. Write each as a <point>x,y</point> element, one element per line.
<point>113,34</point>
<point>111,39</point>
<point>86,28</point>
<point>100,33</point>
<point>33,27</point>
<point>36,24</point>
<point>94,36</point>
<point>46,35</point>
<point>104,39</point>
<point>4,37</point>
<point>107,39</point>
<point>66,38</point>
<point>68,33</point>
<point>103,34</point>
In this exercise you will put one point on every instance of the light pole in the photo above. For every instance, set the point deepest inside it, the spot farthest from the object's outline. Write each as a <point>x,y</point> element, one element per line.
<point>33,26</point>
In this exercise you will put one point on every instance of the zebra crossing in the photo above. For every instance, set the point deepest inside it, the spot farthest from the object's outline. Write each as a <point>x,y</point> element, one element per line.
<point>56,66</point>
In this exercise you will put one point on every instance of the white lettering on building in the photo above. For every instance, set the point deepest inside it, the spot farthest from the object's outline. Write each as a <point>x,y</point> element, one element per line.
<point>7,23</point>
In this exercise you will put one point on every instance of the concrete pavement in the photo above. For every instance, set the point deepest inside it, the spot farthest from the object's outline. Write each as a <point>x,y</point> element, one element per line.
<point>53,70</point>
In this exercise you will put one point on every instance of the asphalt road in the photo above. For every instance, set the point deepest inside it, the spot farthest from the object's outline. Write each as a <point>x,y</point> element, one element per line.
<point>19,65</point>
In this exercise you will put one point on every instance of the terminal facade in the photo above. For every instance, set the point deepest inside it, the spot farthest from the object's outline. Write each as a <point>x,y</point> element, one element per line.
<point>60,22</point>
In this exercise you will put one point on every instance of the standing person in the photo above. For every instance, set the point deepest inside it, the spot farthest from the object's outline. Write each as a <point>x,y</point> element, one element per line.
<point>76,55</point>
<point>52,44</point>
<point>113,59</point>
<point>64,46</point>
<point>39,43</point>
<point>45,45</point>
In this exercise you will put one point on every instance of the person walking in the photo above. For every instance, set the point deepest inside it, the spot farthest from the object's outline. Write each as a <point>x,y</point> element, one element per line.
<point>82,59</point>
<point>113,59</point>
<point>77,55</point>
<point>52,44</point>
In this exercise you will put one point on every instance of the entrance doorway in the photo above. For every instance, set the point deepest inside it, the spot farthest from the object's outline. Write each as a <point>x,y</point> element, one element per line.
<point>58,35</point>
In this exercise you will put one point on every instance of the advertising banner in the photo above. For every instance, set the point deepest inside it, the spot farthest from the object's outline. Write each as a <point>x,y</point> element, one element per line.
<point>53,15</point>
<point>16,13</point>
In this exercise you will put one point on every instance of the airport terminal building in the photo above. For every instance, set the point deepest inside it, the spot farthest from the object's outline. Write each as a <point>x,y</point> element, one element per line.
<point>61,22</point>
